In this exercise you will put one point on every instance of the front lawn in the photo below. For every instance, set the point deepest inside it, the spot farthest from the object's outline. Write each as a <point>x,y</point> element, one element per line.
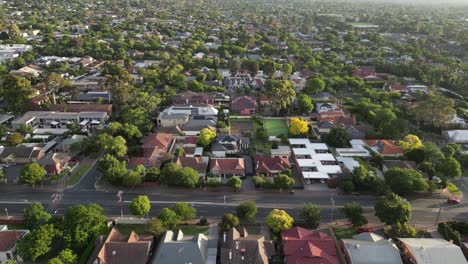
<point>342,232</point>
<point>191,230</point>
<point>126,229</point>
<point>452,188</point>
<point>77,174</point>
<point>275,127</point>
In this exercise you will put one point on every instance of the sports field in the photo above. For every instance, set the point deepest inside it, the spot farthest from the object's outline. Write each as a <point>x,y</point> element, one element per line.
<point>275,127</point>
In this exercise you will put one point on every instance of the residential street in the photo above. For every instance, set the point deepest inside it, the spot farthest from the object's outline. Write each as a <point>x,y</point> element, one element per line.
<point>211,204</point>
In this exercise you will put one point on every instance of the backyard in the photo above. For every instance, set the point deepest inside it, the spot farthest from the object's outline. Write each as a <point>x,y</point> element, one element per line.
<point>275,127</point>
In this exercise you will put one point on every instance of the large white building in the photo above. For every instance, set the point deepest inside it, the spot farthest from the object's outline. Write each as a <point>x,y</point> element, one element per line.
<point>180,115</point>
<point>60,120</point>
<point>314,160</point>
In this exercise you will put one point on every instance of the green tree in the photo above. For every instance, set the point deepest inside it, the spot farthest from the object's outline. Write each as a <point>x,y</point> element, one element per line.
<point>279,220</point>
<point>132,179</point>
<point>246,211</point>
<point>35,215</point>
<point>54,82</point>
<point>188,177</point>
<point>353,212</point>
<point>315,85</point>
<point>14,33</point>
<point>405,181</point>
<point>115,146</point>
<point>152,174</point>
<point>32,173</point>
<point>403,230</point>
<point>112,169</point>
<point>432,153</point>
<point>14,139</point>
<point>392,209</point>
<point>311,214</point>
<point>15,91</point>
<point>337,138</point>
<point>227,222</point>
<point>206,137</point>
<point>282,94</point>
<point>305,103</point>
<point>140,206</point>
<point>156,227</point>
<point>170,173</point>
<point>449,167</point>
<point>283,181</point>
<point>179,152</point>
<point>65,256</point>
<point>435,110</point>
<point>185,211</point>
<point>235,182</point>
<point>169,219</point>
<point>81,224</point>
<point>38,243</point>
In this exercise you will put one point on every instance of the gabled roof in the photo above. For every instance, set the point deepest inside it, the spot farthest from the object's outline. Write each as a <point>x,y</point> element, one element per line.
<point>384,147</point>
<point>228,165</point>
<point>8,238</point>
<point>370,248</point>
<point>176,248</point>
<point>244,102</point>
<point>157,140</point>
<point>120,249</point>
<point>197,163</point>
<point>270,165</point>
<point>433,250</point>
<point>302,246</point>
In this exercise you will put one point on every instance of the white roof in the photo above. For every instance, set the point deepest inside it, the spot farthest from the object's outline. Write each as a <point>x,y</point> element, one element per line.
<point>52,131</point>
<point>434,251</point>
<point>349,163</point>
<point>352,152</point>
<point>457,135</point>
<point>315,175</point>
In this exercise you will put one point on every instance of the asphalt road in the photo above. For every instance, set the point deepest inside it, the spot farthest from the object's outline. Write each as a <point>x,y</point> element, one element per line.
<point>15,198</point>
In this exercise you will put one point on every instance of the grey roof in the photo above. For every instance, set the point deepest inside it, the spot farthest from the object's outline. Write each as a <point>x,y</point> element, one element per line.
<point>164,115</point>
<point>434,251</point>
<point>181,249</point>
<point>369,248</point>
<point>199,123</point>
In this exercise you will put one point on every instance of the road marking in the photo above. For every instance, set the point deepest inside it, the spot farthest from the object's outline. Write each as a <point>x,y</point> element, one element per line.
<point>6,202</point>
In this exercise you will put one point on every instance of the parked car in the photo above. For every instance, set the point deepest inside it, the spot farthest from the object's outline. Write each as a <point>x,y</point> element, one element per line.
<point>364,229</point>
<point>453,201</point>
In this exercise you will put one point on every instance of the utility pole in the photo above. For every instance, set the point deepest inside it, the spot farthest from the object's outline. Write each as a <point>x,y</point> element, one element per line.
<point>119,194</point>
<point>332,201</point>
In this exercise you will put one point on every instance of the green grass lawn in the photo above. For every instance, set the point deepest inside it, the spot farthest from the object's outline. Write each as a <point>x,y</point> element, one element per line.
<point>341,232</point>
<point>452,188</point>
<point>275,127</point>
<point>79,172</point>
<point>190,230</point>
<point>126,229</point>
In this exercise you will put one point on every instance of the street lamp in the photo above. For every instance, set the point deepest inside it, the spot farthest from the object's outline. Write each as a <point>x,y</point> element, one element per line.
<point>119,194</point>
<point>6,211</point>
<point>332,201</point>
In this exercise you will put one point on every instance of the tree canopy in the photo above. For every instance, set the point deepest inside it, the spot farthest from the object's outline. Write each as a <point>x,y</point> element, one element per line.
<point>392,209</point>
<point>140,206</point>
<point>279,220</point>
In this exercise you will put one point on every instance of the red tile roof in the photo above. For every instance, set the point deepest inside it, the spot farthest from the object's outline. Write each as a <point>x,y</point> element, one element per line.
<point>385,147</point>
<point>364,71</point>
<point>161,141</point>
<point>243,103</point>
<point>190,141</point>
<point>267,165</point>
<point>196,163</point>
<point>302,246</point>
<point>9,238</point>
<point>228,166</point>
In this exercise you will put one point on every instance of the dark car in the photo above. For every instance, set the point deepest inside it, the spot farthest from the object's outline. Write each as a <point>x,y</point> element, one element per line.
<point>453,201</point>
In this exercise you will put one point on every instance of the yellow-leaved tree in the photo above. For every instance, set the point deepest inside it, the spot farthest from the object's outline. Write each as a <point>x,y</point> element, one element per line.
<point>410,142</point>
<point>298,127</point>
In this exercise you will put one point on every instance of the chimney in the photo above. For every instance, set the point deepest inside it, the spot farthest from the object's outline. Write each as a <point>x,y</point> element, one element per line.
<point>230,254</point>
<point>224,237</point>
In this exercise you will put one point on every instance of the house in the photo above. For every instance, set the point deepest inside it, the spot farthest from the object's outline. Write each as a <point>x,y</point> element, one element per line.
<point>81,107</point>
<point>430,251</point>
<point>191,98</point>
<point>180,115</point>
<point>226,144</point>
<point>314,160</point>
<point>177,248</point>
<point>120,249</point>
<point>327,107</point>
<point>270,166</point>
<point>66,145</point>
<point>6,120</point>
<point>244,105</point>
<point>456,136</point>
<point>8,240</point>
<point>264,100</point>
<point>305,246</point>
<point>370,248</point>
<point>57,120</point>
<point>386,148</point>
<point>193,152</point>
<point>403,164</point>
<point>359,131</point>
<point>364,71</point>
<point>232,83</point>
<point>21,154</point>
<point>238,246</point>
<point>155,148</point>
<point>200,164</point>
<point>283,152</point>
<point>54,163</point>
<point>190,141</point>
<point>195,126</point>
<point>352,152</point>
<point>227,167</point>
